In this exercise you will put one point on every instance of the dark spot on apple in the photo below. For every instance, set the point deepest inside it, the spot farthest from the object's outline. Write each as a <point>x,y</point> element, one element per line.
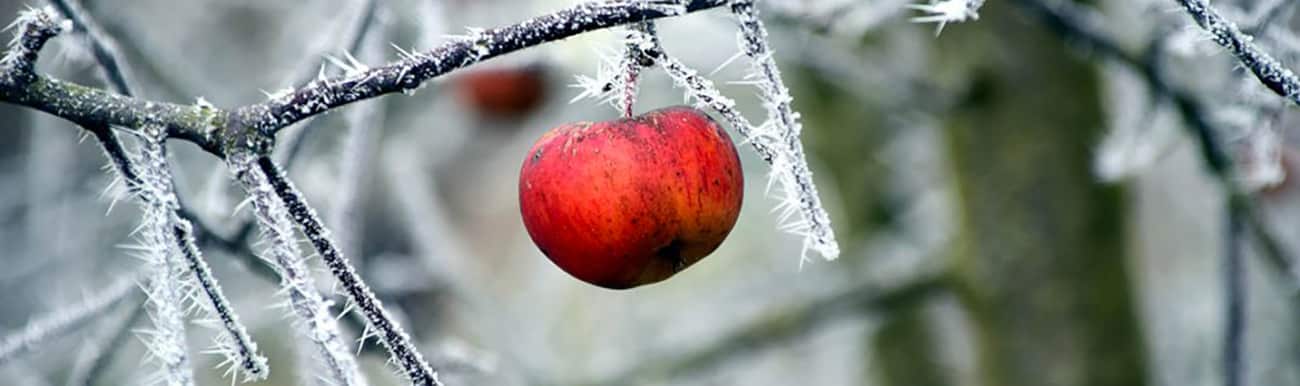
<point>673,253</point>
<point>537,156</point>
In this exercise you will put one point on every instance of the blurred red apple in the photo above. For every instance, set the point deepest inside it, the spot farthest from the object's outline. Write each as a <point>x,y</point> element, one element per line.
<point>503,92</point>
<point>633,201</point>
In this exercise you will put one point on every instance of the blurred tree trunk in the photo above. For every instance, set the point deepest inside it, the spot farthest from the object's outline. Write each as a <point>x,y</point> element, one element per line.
<point>1041,258</point>
<point>904,351</point>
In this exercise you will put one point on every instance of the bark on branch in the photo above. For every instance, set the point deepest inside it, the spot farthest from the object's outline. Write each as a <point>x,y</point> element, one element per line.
<point>253,127</point>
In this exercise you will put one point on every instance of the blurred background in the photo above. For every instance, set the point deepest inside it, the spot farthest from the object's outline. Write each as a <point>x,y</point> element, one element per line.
<point>1015,205</point>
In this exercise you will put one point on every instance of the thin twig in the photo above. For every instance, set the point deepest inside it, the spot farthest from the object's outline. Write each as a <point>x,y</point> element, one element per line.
<point>398,343</point>
<point>166,294</point>
<point>311,310</point>
<point>790,168</point>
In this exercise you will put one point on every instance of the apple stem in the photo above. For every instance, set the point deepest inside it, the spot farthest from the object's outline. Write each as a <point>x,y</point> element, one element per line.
<point>633,60</point>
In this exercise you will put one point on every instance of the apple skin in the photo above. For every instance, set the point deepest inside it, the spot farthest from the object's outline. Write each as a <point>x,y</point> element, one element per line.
<point>633,201</point>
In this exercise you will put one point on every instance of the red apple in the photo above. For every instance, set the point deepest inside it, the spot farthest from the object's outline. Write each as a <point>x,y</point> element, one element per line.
<point>503,92</point>
<point>633,201</point>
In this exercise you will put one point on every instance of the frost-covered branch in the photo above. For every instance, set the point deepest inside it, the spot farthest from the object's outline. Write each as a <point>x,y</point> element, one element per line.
<point>312,312</point>
<point>1225,33</point>
<point>166,341</point>
<point>290,150</point>
<point>398,343</point>
<point>66,319</point>
<point>782,130</point>
<point>233,342</point>
<point>414,69</point>
<point>250,127</point>
<point>34,27</point>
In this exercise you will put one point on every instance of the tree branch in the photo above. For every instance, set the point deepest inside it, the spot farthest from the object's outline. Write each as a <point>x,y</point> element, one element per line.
<point>398,343</point>
<point>1268,70</point>
<point>251,127</point>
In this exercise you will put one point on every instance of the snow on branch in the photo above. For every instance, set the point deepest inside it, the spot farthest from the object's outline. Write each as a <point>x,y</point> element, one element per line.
<point>312,312</point>
<point>1225,33</point>
<point>400,348</point>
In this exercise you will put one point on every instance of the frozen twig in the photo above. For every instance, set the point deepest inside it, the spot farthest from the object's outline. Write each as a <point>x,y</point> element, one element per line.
<point>789,167</point>
<point>1225,33</point>
<point>34,27</point>
<point>233,342</point>
<point>66,319</point>
<point>156,189</point>
<point>367,21</point>
<point>249,127</point>
<point>293,141</point>
<point>166,341</point>
<point>109,62</point>
<point>398,343</point>
<point>312,312</point>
